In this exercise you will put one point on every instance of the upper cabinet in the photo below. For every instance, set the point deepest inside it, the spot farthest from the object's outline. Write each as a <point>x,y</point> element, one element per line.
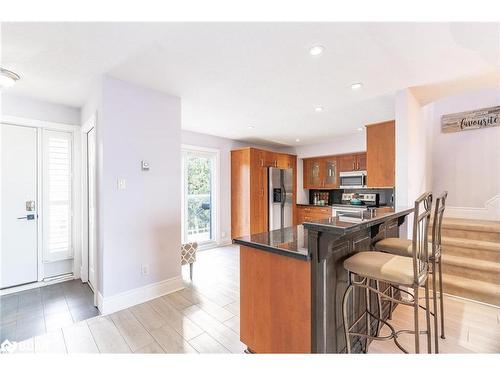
<point>378,162</point>
<point>330,178</point>
<point>313,175</point>
<point>352,162</point>
<point>320,173</point>
<point>381,154</point>
<point>361,161</point>
<point>278,160</point>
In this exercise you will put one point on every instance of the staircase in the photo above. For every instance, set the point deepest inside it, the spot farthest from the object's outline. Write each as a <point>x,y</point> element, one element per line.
<point>471,259</point>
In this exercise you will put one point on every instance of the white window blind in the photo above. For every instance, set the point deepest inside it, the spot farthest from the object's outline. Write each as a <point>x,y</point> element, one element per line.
<point>57,196</point>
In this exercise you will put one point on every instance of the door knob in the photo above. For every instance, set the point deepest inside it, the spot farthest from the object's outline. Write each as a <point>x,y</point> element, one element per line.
<point>27,217</point>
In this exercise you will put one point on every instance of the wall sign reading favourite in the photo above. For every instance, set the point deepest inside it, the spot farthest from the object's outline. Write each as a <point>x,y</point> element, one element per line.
<point>479,119</point>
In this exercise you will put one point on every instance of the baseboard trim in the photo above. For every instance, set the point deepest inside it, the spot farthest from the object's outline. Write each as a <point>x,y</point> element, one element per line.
<point>472,300</point>
<point>120,301</point>
<point>490,211</point>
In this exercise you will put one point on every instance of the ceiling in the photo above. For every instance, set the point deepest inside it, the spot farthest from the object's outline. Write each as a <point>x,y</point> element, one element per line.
<point>234,75</point>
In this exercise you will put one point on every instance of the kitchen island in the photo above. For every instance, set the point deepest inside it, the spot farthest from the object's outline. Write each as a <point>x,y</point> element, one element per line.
<point>292,282</point>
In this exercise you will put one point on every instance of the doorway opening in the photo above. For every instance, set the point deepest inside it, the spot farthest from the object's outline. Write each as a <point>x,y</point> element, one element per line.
<point>89,270</point>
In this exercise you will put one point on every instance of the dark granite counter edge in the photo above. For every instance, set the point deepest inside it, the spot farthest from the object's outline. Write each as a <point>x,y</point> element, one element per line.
<point>272,249</point>
<point>325,227</point>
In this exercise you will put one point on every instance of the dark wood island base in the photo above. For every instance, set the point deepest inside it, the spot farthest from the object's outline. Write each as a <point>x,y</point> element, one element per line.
<point>292,282</point>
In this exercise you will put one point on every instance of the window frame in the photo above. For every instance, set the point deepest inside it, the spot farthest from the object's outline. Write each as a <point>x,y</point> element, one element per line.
<point>215,194</point>
<point>47,257</point>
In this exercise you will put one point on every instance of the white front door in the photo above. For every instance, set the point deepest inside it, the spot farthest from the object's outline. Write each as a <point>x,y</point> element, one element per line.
<point>19,205</point>
<point>92,203</point>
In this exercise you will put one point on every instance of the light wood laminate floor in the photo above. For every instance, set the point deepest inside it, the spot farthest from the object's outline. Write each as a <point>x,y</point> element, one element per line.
<point>204,318</point>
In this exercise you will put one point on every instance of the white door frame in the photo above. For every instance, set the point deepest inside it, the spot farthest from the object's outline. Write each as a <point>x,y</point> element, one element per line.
<point>84,272</point>
<point>73,129</point>
<point>215,194</point>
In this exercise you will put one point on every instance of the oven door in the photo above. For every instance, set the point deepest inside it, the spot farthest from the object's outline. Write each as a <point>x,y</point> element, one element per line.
<point>349,214</point>
<point>352,180</point>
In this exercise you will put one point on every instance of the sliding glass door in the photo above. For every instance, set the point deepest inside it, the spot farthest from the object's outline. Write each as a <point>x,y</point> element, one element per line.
<point>198,168</point>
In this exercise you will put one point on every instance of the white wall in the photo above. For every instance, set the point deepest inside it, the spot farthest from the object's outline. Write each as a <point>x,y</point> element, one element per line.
<point>341,145</point>
<point>140,225</point>
<point>467,163</point>
<point>34,109</point>
<point>413,175</point>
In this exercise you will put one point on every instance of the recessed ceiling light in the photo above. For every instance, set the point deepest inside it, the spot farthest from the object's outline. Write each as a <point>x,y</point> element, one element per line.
<point>251,127</point>
<point>318,109</point>
<point>8,78</point>
<point>297,140</point>
<point>316,50</point>
<point>356,86</point>
<point>360,129</point>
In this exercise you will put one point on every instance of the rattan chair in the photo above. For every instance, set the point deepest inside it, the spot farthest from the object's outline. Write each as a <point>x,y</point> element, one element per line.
<point>403,247</point>
<point>368,266</point>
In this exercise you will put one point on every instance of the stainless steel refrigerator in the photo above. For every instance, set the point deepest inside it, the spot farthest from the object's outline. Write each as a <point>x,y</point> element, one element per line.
<point>280,198</point>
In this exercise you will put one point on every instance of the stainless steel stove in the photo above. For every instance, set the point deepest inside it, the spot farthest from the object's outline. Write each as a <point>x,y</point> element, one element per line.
<point>348,211</point>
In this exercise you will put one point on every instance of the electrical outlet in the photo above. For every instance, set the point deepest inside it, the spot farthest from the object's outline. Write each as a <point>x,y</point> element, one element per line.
<point>145,269</point>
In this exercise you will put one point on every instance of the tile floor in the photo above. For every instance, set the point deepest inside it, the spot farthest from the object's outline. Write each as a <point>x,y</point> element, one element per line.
<point>34,312</point>
<point>204,318</point>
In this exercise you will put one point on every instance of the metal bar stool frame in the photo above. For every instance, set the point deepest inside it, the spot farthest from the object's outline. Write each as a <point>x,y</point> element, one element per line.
<point>436,266</point>
<point>420,262</point>
<point>435,270</point>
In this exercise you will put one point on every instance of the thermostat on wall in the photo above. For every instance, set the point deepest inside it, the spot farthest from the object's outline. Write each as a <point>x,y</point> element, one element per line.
<point>145,165</point>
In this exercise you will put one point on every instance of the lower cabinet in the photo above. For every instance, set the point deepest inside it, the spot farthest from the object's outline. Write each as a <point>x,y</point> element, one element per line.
<point>275,302</point>
<point>309,212</point>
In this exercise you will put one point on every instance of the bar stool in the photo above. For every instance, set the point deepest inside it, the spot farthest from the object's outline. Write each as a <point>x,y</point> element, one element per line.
<point>403,247</point>
<point>398,271</point>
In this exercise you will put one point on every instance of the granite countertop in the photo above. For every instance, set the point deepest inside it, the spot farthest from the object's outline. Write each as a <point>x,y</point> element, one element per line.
<point>313,205</point>
<point>336,225</point>
<point>292,241</point>
<point>337,205</point>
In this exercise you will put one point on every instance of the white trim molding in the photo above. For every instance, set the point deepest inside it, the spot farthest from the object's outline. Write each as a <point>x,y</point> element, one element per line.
<point>37,284</point>
<point>120,301</point>
<point>490,211</point>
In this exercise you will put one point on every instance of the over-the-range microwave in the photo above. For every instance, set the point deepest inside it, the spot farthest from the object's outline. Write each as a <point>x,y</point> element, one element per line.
<point>353,180</point>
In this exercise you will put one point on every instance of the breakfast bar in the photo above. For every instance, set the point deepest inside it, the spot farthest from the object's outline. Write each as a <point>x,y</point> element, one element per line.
<point>292,281</point>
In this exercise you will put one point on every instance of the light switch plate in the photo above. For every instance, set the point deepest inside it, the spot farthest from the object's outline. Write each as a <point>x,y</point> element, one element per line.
<point>122,184</point>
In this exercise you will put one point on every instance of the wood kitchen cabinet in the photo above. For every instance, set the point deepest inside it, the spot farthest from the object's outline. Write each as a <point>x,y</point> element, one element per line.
<point>309,212</point>
<point>285,161</point>
<point>381,154</point>
<point>312,173</point>
<point>330,177</point>
<point>249,188</point>
<point>352,162</point>
<point>320,173</point>
<point>361,161</point>
<point>323,172</point>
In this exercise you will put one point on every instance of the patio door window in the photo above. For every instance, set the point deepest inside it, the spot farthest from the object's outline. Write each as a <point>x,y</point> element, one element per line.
<point>198,168</point>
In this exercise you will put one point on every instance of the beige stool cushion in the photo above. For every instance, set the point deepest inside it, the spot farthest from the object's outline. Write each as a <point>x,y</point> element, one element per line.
<point>376,265</point>
<point>397,246</point>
